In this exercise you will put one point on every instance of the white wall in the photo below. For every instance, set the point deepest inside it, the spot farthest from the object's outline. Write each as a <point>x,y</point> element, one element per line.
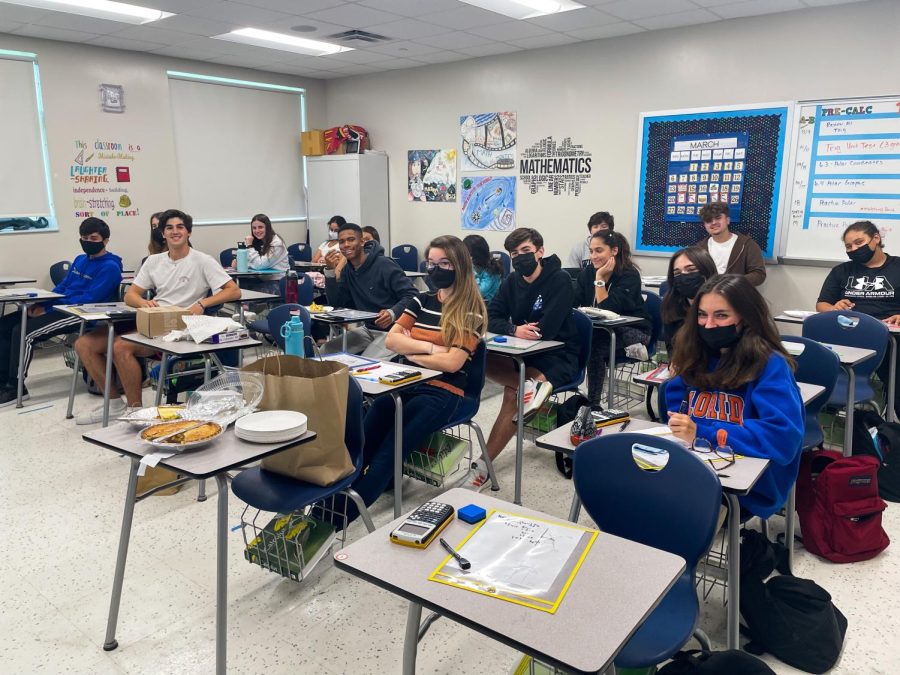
<point>70,78</point>
<point>594,92</point>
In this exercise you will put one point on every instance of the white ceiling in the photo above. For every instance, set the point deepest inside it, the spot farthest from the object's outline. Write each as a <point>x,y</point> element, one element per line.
<point>421,32</point>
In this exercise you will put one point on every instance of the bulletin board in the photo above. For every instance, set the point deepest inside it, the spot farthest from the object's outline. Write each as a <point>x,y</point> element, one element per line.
<point>689,158</point>
<point>845,167</point>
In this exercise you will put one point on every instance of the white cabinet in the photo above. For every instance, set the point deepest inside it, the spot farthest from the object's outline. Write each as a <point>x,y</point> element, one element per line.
<point>352,186</point>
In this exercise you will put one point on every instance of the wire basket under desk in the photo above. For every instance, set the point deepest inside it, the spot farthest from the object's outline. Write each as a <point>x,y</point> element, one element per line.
<point>442,455</point>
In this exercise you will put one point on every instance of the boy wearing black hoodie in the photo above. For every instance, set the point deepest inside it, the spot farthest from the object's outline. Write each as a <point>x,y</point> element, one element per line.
<point>369,282</point>
<point>534,303</point>
<point>93,277</point>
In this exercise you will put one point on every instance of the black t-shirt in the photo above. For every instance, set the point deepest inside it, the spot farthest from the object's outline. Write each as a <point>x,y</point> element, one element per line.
<point>872,290</point>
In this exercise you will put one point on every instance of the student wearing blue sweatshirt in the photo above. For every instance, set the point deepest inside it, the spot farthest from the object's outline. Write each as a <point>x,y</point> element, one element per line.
<point>734,374</point>
<point>93,277</point>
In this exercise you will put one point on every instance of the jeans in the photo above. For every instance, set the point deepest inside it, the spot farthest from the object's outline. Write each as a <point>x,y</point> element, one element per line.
<point>426,408</point>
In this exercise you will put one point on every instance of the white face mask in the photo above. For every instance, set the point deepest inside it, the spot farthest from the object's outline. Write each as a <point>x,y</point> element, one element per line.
<point>332,235</point>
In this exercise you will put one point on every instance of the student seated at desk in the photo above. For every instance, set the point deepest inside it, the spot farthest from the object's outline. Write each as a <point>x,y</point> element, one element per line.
<point>732,253</point>
<point>183,277</point>
<point>867,283</point>
<point>157,242</point>
<point>438,330</point>
<point>369,233</point>
<point>330,244</point>
<point>734,374</point>
<point>488,270</point>
<point>370,282</point>
<point>580,256</point>
<point>689,268</point>
<point>266,252</point>
<point>93,277</point>
<point>534,303</point>
<point>612,282</point>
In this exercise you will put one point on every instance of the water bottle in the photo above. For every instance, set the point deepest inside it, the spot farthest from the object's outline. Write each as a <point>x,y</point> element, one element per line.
<point>292,332</point>
<point>291,288</point>
<point>243,257</point>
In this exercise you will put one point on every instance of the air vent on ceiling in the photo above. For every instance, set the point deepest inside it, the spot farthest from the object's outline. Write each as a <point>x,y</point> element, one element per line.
<point>351,36</point>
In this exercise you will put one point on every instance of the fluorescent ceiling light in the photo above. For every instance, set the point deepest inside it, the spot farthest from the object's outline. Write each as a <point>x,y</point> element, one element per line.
<point>525,9</point>
<point>99,9</point>
<point>288,43</point>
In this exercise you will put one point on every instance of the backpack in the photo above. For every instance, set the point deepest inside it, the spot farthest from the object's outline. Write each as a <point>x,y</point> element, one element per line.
<point>792,619</point>
<point>839,507</point>
<point>885,441</point>
<point>701,662</point>
<point>566,412</point>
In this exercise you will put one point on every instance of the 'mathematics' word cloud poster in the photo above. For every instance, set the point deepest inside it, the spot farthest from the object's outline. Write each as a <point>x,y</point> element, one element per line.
<point>846,168</point>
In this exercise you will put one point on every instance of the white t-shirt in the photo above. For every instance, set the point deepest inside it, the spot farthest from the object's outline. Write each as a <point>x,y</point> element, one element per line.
<point>181,282</point>
<point>579,254</point>
<point>327,246</point>
<point>720,253</point>
<point>277,259</point>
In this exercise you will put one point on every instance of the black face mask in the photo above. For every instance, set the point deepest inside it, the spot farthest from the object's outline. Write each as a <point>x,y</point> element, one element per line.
<point>525,264</point>
<point>688,284</point>
<point>91,247</point>
<point>719,337</point>
<point>442,278</point>
<point>156,236</point>
<point>862,255</point>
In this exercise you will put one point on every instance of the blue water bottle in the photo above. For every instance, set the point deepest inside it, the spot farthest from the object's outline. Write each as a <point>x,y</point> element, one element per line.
<point>292,332</point>
<point>243,258</point>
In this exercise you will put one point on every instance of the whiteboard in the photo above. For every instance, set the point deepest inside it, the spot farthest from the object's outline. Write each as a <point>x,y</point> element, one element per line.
<point>845,167</point>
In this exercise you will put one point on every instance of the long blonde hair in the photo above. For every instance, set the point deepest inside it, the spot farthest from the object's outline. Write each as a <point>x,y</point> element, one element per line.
<point>464,313</point>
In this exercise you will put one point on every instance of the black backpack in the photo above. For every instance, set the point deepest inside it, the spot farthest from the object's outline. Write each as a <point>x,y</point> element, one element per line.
<point>732,661</point>
<point>565,413</point>
<point>886,450</point>
<point>792,619</point>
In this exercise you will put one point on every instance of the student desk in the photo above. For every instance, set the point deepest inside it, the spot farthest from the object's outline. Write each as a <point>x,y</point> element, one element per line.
<point>518,355</point>
<point>22,298</point>
<point>359,317</point>
<point>610,325</point>
<point>739,480</point>
<point>652,282</point>
<point>12,281</point>
<point>375,389</point>
<point>251,274</point>
<point>308,266</point>
<point>894,331</point>
<point>650,383</point>
<point>255,296</point>
<point>602,609</point>
<point>120,308</point>
<point>225,453</point>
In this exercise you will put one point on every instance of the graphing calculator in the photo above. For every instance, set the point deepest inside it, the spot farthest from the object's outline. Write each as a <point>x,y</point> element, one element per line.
<point>400,377</point>
<point>423,525</point>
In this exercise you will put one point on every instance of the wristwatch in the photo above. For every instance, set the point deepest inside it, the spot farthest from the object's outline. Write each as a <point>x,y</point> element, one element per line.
<point>600,283</point>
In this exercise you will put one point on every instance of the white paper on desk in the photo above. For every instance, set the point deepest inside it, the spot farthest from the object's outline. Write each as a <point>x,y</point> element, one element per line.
<point>661,432</point>
<point>152,460</point>
<point>201,328</point>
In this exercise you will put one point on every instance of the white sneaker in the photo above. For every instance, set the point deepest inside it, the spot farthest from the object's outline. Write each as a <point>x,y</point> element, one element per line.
<point>117,408</point>
<point>637,351</point>
<point>480,480</point>
<point>536,394</point>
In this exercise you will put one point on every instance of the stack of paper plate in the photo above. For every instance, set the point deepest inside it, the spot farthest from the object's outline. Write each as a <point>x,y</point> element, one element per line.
<point>271,426</point>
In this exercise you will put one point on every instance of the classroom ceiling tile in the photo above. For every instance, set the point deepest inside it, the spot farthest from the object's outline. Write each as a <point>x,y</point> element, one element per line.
<point>402,49</point>
<point>365,56</point>
<point>454,40</point>
<point>82,24</point>
<point>196,25</point>
<point>443,57</point>
<point>465,17</point>
<point>491,49</point>
<point>396,64</point>
<point>410,8</point>
<point>237,13</point>
<point>509,30</point>
<point>242,60</point>
<point>50,33</point>
<point>286,24</point>
<point>24,14</point>
<point>294,6</point>
<point>641,9</point>
<point>574,20</point>
<point>114,42</point>
<point>827,3</point>
<point>150,34</point>
<point>352,69</point>
<point>353,16</point>
<point>756,7</point>
<point>407,29</point>
<point>608,31</point>
<point>188,51</point>
<point>177,5</point>
<point>690,18</point>
<point>9,26</point>
<point>541,41</point>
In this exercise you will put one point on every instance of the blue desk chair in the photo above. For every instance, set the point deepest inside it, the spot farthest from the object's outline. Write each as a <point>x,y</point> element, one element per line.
<point>300,252</point>
<point>503,257</point>
<point>270,327</point>
<point>407,256</point>
<point>674,509</point>
<point>866,332</point>
<point>226,257</point>
<point>274,492</point>
<point>58,271</point>
<point>815,365</point>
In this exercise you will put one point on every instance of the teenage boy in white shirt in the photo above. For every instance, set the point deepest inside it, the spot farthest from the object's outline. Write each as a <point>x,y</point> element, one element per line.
<point>181,276</point>
<point>580,256</point>
<point>731,252</point>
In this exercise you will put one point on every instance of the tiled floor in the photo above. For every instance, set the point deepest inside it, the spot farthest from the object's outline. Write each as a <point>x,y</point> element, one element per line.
<point>62,502</point>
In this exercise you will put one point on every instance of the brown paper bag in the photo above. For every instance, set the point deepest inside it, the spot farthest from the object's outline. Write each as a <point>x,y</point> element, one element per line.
<point>154,476</point>
<point>318,389</point>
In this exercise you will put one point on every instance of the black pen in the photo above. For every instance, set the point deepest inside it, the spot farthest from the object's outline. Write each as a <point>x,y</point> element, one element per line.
<point>624,425</point>
<point>463,563</point>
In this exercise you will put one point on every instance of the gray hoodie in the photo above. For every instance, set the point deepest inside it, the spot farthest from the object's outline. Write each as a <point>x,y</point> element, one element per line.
<point>379,283</point>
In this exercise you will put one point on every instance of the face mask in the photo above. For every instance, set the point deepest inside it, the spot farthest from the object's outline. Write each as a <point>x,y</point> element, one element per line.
<point>442,278</point>
<point>91,247</point>
<point>688,284</point>
<point>332,235</point>
<point>525,264</point>
<point>157,236</point>
<point>862,255</point>
<point>719,337</point>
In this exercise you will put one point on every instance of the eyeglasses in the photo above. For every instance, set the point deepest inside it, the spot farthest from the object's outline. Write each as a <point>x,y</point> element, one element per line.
<point>714,456</point>
<point>443,264</point>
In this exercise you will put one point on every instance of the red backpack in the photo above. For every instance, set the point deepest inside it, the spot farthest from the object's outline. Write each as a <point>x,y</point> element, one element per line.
<point>839,506</point>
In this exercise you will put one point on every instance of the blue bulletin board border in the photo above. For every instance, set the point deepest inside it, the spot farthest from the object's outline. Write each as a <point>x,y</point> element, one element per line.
<point>768,243</point>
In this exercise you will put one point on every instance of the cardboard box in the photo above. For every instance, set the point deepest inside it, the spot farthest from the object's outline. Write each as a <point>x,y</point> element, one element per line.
<point>312,142</point>
<point>156,321</point>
